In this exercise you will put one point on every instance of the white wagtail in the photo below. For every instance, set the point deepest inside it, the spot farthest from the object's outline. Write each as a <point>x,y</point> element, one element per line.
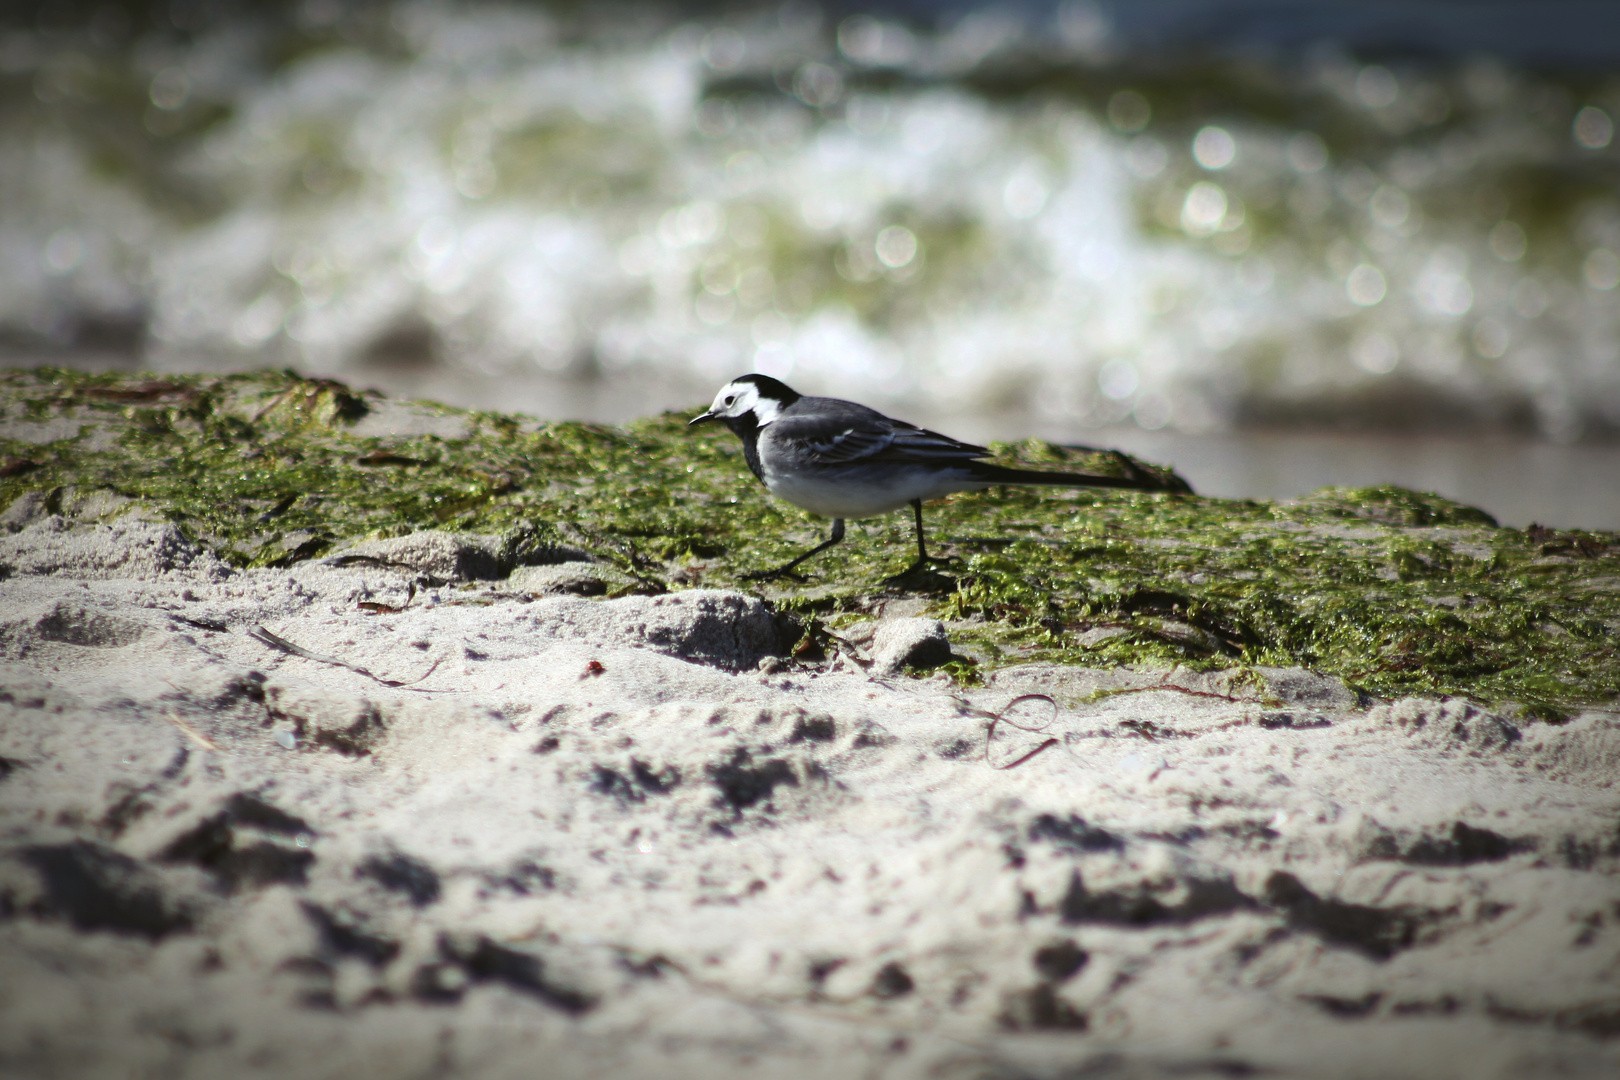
<point>842,460</point>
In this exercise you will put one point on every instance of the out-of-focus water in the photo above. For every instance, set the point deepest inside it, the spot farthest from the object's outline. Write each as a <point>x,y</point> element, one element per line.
<point>1045,216</point>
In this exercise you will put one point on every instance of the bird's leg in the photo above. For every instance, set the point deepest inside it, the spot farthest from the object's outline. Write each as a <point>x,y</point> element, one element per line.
<point>924,562</point>
<point>787,568</point>
<point>922,549</point>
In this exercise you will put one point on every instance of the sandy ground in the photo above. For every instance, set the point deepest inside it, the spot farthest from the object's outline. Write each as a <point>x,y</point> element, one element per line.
<point>536,835</point>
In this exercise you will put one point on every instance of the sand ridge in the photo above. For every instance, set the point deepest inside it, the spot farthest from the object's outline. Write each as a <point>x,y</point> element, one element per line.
<point>524,834</point>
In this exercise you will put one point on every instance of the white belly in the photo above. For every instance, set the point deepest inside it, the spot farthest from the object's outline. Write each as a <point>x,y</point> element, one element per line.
<point>857,496</point>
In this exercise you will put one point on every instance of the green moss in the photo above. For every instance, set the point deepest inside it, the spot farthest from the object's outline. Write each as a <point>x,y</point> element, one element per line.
<point>1393,590</point>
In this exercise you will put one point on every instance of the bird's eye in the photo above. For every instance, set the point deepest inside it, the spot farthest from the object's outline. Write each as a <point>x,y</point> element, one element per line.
<point>729,400</point>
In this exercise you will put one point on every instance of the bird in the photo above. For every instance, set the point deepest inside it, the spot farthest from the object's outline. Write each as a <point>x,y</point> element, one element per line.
<point>842,460</point>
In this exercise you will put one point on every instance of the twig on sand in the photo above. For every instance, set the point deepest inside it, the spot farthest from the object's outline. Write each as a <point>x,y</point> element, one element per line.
<point>190,732</point>
<point>1164,683</point>
<point>1001,718</point>
<point>275,641</point>
<point>378,608</point>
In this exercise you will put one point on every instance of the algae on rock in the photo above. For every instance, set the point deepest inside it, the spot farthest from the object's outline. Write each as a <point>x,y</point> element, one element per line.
<point>1394,591</point>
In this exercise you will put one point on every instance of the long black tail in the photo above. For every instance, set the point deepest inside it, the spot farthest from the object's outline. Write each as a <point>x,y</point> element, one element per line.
<point>1139,480</point>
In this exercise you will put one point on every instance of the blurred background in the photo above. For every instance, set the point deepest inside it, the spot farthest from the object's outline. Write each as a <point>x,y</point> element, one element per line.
<point>1277,243</point>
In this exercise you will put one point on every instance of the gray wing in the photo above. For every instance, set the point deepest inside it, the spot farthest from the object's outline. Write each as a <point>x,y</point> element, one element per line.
<point>851,434</point>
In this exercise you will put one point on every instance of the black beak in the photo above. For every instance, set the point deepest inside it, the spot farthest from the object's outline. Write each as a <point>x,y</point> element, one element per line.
<point>700,419</point>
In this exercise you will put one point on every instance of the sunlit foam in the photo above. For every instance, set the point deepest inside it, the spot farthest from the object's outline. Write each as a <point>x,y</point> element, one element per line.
<point>838,200</point>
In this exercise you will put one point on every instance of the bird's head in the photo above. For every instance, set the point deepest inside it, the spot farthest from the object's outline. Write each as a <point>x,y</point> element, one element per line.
<point>751,401</point>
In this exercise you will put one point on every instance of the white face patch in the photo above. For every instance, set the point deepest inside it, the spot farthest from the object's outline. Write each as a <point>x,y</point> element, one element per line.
<point>737,398</point>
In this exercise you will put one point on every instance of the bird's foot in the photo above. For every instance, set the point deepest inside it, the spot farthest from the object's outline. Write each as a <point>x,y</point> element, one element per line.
<point>922,576</point>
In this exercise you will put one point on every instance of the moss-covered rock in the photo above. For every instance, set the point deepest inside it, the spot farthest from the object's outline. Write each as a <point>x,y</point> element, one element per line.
<point>1394,591</point>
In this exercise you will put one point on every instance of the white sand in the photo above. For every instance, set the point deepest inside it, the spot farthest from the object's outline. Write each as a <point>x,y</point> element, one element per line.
<point>219,859</point>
